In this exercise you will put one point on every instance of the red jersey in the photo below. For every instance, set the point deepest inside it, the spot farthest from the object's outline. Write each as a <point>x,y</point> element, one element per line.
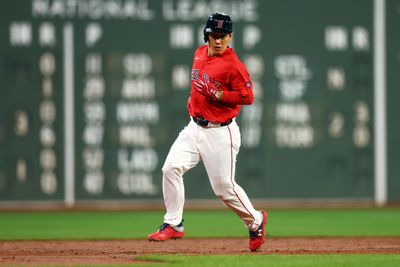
<point>228,74</point>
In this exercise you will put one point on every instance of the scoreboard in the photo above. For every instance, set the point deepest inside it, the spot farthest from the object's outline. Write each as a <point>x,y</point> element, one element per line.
<point>93,93</point>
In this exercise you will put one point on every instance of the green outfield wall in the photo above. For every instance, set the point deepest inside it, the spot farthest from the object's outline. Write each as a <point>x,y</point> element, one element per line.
<point>93,93</point>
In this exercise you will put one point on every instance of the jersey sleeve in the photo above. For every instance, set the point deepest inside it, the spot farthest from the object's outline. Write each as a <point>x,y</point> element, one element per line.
<point>241,92</point>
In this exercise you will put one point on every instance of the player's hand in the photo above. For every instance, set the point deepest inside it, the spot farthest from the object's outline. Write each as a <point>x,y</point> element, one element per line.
<point>208,90</point>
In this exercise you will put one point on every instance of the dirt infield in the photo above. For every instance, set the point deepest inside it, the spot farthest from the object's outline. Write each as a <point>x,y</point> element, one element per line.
<point>125,251</point>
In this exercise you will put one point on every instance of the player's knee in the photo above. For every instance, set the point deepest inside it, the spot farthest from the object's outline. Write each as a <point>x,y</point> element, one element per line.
<point>223,189</point>
<point>170,170</point>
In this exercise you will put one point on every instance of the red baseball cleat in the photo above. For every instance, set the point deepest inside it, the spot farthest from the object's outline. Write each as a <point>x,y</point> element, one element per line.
<point>257,238</point>
<point>166,232</point>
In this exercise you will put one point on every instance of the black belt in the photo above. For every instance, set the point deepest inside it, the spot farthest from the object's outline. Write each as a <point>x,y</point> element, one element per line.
<point>207,124</point>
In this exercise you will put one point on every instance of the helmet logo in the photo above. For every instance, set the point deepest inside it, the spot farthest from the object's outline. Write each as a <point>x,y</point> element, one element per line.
<point>217,22</point>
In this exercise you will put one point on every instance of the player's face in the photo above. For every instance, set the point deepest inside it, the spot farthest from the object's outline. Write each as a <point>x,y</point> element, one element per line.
<point>218,42</point>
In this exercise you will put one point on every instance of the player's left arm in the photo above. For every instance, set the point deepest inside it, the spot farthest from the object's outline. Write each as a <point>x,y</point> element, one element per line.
<point>238,91</point>
<point>241,92</point>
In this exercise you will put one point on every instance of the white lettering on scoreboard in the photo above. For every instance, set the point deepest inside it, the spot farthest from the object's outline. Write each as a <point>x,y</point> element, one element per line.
<point>47,114</point>
<point>293,127</point>
<point>178,10</point>
<point>94,118</point>
<point>252,115</point>
<point>136,113</point>
<point>340,38</point>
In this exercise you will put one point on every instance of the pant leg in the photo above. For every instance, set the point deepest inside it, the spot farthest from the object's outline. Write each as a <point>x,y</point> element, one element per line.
<point>182,156</point>
<point>218,151</point>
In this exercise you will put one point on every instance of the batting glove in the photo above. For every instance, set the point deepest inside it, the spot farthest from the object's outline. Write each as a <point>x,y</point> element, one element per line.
<point>208,90</point>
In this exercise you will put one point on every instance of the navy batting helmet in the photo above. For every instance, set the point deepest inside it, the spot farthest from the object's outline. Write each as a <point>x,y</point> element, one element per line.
<point>217,22</point>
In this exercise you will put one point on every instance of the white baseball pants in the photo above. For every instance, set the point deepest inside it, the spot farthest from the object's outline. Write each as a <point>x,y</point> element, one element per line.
<point>217,147</point>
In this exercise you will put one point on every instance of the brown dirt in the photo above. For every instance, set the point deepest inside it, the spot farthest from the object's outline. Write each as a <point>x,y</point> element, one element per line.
<point>125,251</point>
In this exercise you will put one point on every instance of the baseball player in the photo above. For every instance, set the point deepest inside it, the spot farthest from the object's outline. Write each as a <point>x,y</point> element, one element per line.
<point>220,84</point>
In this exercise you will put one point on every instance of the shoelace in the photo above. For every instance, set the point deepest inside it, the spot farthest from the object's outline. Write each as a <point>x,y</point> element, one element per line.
<point>255,234</point>
<point>163,226</point>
